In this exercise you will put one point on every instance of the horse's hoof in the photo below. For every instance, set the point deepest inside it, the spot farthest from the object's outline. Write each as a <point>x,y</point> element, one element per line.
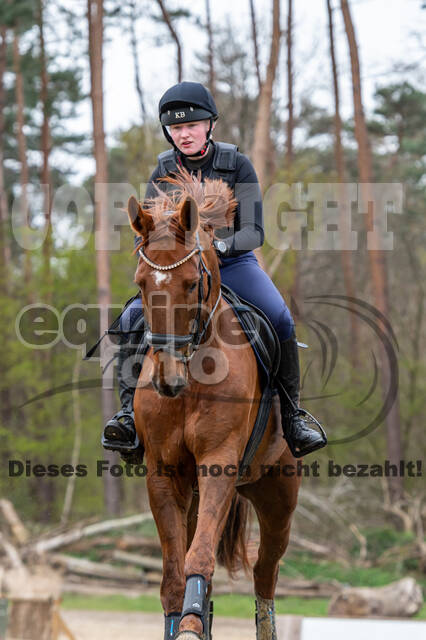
<point>188,635</point>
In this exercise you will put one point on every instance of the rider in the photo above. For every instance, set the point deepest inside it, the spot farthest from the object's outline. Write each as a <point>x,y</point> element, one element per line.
<point>188,116</point>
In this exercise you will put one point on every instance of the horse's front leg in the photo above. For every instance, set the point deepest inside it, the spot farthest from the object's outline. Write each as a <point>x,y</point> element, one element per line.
<point>170,499</point>
<point>215,498</point>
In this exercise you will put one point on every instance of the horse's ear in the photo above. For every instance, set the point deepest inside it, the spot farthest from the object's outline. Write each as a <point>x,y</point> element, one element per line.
<point>188,215</point>
<point>140,221</point>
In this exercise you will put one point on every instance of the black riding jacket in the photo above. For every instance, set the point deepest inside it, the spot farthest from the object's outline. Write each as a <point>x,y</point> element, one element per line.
<point>247,232</point>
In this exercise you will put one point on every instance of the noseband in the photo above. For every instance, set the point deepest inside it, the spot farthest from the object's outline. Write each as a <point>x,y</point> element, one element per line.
<point>171,342</point>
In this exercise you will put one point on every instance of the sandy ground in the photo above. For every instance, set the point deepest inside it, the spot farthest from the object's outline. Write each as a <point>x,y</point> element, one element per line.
<point>105,625</point>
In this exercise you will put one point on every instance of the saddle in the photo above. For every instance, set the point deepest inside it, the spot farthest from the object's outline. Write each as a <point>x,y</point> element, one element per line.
<point>266,346</point>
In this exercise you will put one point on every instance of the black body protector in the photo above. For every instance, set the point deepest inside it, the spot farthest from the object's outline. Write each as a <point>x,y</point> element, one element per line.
<point>224,162</point>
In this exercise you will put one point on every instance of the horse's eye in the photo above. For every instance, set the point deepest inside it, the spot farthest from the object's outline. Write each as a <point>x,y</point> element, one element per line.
<point>192,287</point>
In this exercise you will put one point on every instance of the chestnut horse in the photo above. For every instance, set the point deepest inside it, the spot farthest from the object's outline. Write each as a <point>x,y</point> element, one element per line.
<point>196,424</point>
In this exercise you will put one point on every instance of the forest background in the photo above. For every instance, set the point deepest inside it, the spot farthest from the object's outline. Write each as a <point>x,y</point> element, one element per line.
<point>307,111</point>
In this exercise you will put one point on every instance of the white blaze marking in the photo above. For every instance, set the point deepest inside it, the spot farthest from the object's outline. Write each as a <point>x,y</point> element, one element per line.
<point>160,276</point>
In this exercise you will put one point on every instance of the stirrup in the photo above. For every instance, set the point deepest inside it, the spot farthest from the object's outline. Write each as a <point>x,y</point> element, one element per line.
<point>130,453</point>
<point>122,446</point>
<point>310,422</point>
<point>120,414</point>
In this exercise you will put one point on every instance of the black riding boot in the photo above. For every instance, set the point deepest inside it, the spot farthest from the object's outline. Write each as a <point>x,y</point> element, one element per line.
<point>121,427</point>
<point>301,438</point>
<point>120,433</point>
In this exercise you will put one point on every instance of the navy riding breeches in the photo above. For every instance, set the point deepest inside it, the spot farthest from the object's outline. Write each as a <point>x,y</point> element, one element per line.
<point>244,276</point>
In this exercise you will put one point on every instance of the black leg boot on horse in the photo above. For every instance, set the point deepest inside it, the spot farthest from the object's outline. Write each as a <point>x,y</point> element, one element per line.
<point>119,432</point>
<point>301,437</point>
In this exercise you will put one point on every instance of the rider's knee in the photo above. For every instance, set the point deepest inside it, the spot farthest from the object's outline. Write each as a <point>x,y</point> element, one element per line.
<point>284,325</point>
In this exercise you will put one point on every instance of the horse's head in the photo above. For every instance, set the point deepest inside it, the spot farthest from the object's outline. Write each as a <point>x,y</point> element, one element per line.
<point>178,271</point>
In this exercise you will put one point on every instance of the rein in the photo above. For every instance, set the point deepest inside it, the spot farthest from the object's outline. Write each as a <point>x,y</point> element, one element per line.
<point>172,342</point>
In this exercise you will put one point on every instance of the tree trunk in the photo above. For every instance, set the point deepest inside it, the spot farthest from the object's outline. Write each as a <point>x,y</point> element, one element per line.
<point>375,253</point>
<point>416,333</point>
<point>210,50</point>
<point>22,153</point>
<point>133,43</point>
<point>5,255</point>
<point>112,486</point>
<point>290,121</point>
<point>30,619</point>
<point>174,35</point>
<point>78,424</point>
<point>45,149</point>
<point>400,599</point>
<point>255,45</point>
<point>344,209</point>
<point>261,145</point>
<point>294,291</point>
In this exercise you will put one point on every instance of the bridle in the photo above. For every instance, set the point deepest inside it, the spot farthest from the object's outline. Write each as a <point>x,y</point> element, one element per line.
<point>170,342</point>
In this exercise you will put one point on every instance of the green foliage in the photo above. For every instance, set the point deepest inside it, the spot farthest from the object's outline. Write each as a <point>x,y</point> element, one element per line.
<point>112,603</point>
<point>20,14</point>
<point>381,539</point>
<point>224,605</point>
<point>302,565</point>
<point>402,111</point>
<point>134,157</point>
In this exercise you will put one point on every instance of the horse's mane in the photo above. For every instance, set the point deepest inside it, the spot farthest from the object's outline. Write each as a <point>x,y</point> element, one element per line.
<point>214,198</point>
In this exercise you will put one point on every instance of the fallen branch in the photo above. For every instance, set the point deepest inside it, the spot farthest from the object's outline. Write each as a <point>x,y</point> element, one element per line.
<point>96,588</point>
<point>128,542</point>
<point>16,526</point>
<point>308,545</point>
<point>79,532</point>
<point>83,567</point>
<point>141,561</point>
<point>12,553</point>
<point>88,544</point>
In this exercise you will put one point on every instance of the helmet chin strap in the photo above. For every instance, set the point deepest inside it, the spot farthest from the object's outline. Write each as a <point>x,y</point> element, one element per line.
<point>202,151</point>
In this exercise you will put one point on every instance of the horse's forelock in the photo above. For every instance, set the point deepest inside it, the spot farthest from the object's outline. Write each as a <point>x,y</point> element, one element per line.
<point>214,199</point>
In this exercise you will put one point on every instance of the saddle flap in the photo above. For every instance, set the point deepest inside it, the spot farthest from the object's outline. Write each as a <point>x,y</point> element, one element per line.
<point>259,331</point>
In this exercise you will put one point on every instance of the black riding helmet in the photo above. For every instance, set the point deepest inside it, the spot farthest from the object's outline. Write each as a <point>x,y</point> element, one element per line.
<point>187,102</point>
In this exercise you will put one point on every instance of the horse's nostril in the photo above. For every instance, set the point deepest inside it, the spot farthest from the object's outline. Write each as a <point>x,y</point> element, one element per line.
<point>171,390</point>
